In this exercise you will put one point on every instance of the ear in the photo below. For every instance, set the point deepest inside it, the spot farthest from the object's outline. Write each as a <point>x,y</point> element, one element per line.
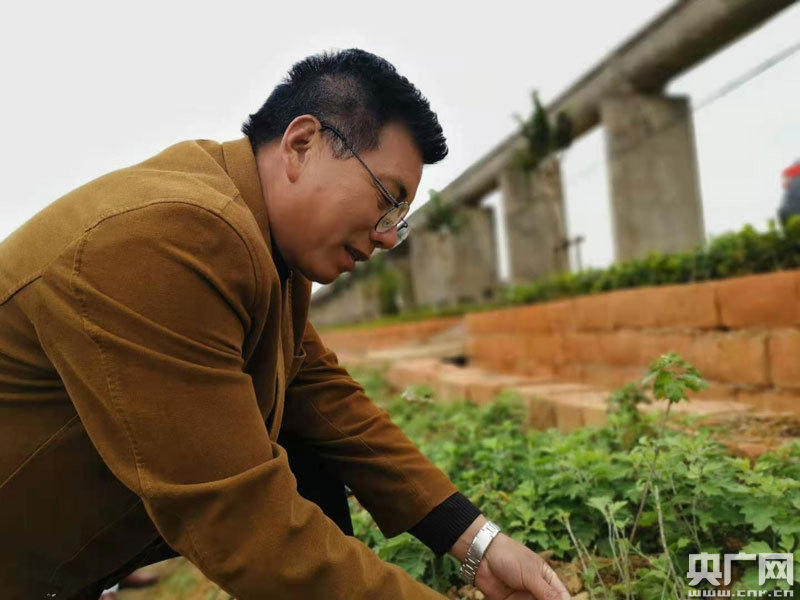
<point>300,138</point>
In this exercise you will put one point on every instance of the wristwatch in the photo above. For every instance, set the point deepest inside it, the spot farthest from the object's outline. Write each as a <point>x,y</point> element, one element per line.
<point>476,551</point>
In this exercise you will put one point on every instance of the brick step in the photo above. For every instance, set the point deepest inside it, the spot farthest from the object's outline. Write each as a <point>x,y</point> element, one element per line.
<point>549,402</point>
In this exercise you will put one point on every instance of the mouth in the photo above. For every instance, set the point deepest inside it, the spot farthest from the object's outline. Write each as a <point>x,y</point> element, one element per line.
<point>350,260</point>
<point>356,254</point>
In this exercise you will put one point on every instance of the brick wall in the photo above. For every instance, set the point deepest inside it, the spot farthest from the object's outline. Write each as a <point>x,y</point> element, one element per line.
<point>356,340</point>
<point>743,334</point>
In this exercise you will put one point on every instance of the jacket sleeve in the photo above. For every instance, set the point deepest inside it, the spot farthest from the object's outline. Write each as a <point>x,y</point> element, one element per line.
<point>145,320</point>
<point>391,478</point>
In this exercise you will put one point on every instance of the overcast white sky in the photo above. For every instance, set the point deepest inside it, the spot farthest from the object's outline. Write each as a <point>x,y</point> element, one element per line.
<point>95,86</point>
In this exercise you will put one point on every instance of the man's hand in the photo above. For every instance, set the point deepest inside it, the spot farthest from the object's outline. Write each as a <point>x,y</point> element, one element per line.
<point>509,570</point>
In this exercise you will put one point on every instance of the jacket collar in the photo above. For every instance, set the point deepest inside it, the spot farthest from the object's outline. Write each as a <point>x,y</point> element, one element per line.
<point>240,163</point>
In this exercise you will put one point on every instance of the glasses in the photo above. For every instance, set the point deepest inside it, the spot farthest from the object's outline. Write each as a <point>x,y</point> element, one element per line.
<point>394,216</point>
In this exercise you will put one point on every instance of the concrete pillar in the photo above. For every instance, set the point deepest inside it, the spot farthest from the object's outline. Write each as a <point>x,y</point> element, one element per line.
<point>354,301</point>
<point>400,260</point>
<point>655,186</point>
<point>476,277</point>
<point>535,221</point>
<point>452,268</point>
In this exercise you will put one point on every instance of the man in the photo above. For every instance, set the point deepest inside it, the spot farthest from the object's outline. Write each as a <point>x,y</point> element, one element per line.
<point>155,344</point>
<point>790,203</point>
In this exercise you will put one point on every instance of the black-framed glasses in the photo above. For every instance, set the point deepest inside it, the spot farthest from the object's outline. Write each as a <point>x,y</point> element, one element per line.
<point>394,217</point>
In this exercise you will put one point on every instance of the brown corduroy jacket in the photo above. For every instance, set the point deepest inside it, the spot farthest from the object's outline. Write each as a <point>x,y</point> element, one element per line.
<point>149,355</point>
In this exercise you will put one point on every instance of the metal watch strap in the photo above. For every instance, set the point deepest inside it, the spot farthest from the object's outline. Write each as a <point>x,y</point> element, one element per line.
<point>476,550</point>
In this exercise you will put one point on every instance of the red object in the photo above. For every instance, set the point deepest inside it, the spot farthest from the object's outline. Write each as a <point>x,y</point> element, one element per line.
<point>790,173</point>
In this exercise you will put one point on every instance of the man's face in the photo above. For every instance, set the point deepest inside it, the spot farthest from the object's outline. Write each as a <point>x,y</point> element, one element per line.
<point>323,209</point>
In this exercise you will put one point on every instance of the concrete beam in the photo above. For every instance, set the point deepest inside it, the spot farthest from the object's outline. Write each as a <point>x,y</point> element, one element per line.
<point>678,39</point>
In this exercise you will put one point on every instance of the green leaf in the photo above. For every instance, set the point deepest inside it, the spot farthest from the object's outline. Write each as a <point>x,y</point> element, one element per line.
<point>759,515</point>
<point>757,547</point>
<point>600,503</point>
<point>787,543</point>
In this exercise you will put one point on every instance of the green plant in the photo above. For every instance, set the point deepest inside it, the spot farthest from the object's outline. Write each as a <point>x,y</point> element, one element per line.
<point>542,136</point>
<point>441,216</point>
<point>672,378</point>
<point>728,255</point>
<point>624,413</point>
<point>578,494</point>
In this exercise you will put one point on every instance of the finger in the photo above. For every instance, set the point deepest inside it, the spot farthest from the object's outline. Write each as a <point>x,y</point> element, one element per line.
<point>545,583</point>
<point>557,587</point>
<point>521,596</point>
<point>494,589</point>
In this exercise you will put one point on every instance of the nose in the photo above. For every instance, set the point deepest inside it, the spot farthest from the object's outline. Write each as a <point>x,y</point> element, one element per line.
<point>385,240</point>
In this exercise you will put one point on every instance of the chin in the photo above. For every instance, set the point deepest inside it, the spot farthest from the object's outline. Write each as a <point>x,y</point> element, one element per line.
<point>322,276</point>
<point>325,280</point>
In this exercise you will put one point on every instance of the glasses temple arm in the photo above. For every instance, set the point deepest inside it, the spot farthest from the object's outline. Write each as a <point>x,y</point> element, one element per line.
<point>377,181</point>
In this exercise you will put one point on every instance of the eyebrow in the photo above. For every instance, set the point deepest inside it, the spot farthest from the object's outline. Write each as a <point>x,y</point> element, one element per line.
<point>399,184</point>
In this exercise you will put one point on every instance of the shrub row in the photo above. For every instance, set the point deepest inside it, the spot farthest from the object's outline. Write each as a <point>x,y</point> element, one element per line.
<point>729,255</point>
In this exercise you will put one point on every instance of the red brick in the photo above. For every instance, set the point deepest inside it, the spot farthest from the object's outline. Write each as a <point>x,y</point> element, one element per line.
<point>561,315</point>
<point>580,409</point>
<point>455,385</point>
<point>473,347</point>
<point>593,313</point>
<point>421,371</point>
<point>632,309</point>
<point>620,348</point>
<point>540,412</point>
<point>503,320</point>
<point>784,358</point>
<point>771,400</point>
<point>569,371</point>
<point>750,449</point>
<point>767,300</point>
<point>486,390</point>
<point>612,378</point>
<point>500,352</point>
<point>532,319</point>
<point>479,323</point>
<point>569,416</point>
<point>712,410</point>
<point>736,357</point>
<point>555,388</point>
<point>517,354</point>
<point>582,347</point>
<point>716,390</point>
<point>546,349</point>
<point>655,343</point>
<point>692,306</point>
<point>595,416</point>
<point>484,350</point>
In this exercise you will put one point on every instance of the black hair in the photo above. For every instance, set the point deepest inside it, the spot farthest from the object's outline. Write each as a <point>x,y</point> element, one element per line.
<point>358,93</point>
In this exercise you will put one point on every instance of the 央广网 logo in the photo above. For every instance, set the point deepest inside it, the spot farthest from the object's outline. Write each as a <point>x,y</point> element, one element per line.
<point>705,567</point>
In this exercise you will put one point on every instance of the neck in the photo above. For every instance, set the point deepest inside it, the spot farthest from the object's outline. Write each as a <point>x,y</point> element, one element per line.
<point>262,163</point>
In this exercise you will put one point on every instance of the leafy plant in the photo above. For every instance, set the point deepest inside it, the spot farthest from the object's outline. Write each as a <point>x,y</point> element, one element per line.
<point>441,216</point>
<point>728,255</point>
<point>672,378</point>
<point>577,494</point>
<point>542,136</point>
<point>625,415</point>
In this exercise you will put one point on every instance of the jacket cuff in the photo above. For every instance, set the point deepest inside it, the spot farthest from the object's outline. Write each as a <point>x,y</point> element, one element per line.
<point>442,527</point>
